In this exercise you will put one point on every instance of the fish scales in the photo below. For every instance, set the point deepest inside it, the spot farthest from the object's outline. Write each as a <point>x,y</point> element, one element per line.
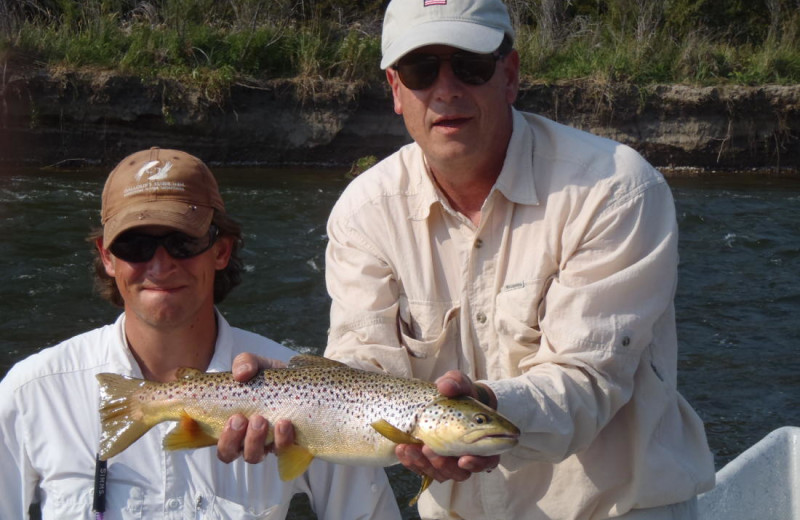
<point>339,414</point>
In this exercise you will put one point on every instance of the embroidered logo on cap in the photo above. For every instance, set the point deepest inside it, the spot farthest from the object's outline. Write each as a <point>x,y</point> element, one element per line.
<point>152,178</point>
<point>427,3</point>
<point>153,172</point>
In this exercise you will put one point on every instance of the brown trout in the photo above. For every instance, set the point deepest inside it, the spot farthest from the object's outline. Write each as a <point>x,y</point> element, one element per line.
<point>340,414</point>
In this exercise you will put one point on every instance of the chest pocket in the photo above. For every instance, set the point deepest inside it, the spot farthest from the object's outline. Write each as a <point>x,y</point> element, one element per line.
<point>222,509</point>
<point>518,310</point>
<point>127,504</point>
<point>429,331</point>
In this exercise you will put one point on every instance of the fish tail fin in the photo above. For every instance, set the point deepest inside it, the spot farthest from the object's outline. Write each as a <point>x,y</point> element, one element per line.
<point>122,419</point>
<point>293,461</point>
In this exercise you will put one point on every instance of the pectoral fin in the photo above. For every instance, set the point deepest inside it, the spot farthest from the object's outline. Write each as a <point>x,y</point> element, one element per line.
<point>188,434</point>
<point>394,434</point>
<point>293,461</point>
<point>426,481</point>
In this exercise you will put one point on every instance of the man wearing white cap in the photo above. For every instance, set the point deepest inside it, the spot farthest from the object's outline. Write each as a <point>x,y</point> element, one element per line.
<point>528,264</point>
<point>167,253</point>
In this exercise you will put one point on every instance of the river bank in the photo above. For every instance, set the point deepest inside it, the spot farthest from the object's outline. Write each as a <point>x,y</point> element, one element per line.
<point>94,118</point>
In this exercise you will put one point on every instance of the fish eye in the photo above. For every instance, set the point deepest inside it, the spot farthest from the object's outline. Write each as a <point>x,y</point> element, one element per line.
<point>481,418</point>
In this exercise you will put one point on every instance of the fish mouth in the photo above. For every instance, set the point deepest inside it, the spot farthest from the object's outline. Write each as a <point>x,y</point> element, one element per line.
<point>475,437</point>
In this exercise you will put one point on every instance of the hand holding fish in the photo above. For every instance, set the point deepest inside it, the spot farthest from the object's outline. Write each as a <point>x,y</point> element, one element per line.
<point>246,437</point>
<point>424,461</point>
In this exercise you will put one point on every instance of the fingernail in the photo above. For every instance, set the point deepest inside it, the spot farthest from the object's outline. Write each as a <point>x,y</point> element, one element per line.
<point>244,368</point>
<point>282,428</point>
<point>236,423</point>
<point>258,423</point>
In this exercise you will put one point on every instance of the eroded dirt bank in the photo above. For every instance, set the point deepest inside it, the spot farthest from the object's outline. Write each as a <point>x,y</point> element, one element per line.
<point>97,118</point>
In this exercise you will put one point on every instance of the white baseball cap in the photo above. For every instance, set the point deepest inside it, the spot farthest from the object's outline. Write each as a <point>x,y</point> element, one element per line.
<point>471,25</point>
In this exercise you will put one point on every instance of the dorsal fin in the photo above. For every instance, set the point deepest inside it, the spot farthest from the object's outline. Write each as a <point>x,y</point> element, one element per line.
<point>187,373</point>
<point>309,360</point>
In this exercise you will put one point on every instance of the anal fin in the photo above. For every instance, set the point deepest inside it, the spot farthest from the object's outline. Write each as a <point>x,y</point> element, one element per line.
<point>426,481</point>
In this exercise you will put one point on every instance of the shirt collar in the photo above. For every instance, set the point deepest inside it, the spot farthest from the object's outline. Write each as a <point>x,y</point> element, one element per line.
<point>223,350</point>
<point>121,357</point>
<point>515,181</point>
<point>516,178</point>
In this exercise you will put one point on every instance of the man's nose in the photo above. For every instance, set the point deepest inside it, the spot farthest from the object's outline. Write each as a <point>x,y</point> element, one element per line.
<point>446,83</point>
<point>161,261</point>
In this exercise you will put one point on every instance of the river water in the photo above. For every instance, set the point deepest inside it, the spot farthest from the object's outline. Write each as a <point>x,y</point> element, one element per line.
<point>738,299</point>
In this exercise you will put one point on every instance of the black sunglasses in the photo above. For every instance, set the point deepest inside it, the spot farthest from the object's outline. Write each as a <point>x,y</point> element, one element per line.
<point>134,246</point>
<point>419,71</point>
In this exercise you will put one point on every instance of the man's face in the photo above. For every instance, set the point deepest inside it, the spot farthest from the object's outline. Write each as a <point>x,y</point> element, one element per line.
<point>456,124</point>
<point>165,292</point>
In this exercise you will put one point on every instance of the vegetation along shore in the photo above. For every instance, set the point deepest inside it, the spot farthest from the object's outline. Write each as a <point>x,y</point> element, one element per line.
<point>692,84</point>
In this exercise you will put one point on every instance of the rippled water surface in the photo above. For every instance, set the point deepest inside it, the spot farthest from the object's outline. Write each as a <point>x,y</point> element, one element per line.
<point>738,299</point>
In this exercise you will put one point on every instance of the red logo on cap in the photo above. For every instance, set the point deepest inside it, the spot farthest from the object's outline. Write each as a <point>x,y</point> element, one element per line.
<point>426,3</point>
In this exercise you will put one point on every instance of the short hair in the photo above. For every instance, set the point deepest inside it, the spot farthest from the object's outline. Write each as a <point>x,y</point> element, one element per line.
<point>224,279</point>
<point>506,46</point>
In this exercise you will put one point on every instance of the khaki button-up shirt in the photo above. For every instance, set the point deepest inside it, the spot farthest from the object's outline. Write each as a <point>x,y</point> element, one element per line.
<point>561,300</point>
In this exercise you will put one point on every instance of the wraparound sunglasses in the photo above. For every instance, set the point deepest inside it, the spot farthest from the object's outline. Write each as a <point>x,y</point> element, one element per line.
<point>134,246</point>
<point>419,71</point>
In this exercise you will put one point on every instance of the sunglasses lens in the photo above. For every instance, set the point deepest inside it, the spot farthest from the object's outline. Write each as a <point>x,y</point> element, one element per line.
<point>418,71</point>
<point>473,69</point>
<point>134,247</point>
<point>139,247</point>
<point>180,245</point>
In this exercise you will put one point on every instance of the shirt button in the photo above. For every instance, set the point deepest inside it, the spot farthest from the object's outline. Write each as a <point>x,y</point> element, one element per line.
<point>481,317</point>
<point>173,504</point>
<point>478,243</point>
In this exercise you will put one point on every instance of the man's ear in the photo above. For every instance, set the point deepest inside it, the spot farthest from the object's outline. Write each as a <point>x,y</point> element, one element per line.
<point>106,257</point>
<point>394,81</point>
<point>511,70</point>
<point>224,250</point>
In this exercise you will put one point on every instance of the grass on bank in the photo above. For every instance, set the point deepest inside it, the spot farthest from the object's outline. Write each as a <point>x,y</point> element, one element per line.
<point>213,44</point>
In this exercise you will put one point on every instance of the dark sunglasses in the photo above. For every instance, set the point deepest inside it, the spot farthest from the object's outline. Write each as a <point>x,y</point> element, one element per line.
<point>419,71</point>
<point>134,246</point>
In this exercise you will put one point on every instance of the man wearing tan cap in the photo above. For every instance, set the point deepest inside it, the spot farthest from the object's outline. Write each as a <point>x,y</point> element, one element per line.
<point>524,263</point>
<point>167,253</point>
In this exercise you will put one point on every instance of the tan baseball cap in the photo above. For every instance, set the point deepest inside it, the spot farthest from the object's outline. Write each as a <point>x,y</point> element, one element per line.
<point>159,187</point>
<point>471,25</point>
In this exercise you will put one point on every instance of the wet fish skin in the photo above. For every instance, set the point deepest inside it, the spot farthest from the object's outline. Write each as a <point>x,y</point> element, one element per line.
<point>340,414</point>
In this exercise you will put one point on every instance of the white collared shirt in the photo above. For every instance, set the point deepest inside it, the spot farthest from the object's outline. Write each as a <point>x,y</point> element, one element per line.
<point>561,299</point>
<point>50,430</point>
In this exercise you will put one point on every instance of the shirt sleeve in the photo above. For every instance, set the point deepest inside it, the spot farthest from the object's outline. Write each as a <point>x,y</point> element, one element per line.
<point>18,480</point>
<point>613,290</point>
<point>337,491</point>
<point>364,307</point>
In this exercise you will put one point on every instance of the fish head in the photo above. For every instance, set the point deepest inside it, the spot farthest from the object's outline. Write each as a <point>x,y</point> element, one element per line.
<point>463,426</point>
